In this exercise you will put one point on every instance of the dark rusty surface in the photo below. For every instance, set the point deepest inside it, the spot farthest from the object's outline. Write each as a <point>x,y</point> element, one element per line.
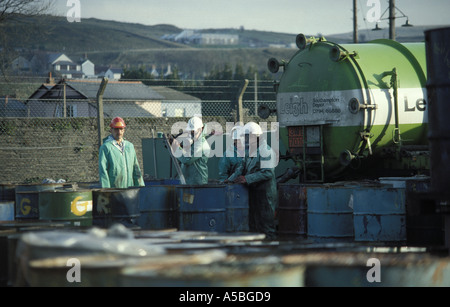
<point>291,213</point>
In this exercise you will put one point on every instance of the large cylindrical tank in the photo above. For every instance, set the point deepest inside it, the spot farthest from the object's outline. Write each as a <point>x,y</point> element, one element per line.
<point>361,98</point>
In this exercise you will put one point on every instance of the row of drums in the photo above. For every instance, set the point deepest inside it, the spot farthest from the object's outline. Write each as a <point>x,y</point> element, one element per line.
<point>158,205</point>
<point>349,211</point>
<point>382,211</point>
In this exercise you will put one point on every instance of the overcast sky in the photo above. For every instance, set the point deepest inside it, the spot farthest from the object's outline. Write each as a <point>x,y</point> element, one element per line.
<point>287,16</point>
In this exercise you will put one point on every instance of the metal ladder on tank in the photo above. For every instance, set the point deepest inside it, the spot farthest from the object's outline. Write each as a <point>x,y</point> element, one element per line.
<point>313,151</point>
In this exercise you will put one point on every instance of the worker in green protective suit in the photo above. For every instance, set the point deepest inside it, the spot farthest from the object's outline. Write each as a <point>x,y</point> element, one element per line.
<point>194,154</point>
<point>233,156</point>
<point>257,171</point>
<point>117,162</point>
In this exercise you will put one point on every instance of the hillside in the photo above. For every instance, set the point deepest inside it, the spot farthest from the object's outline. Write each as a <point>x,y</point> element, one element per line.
<point>91,35</point>
<point>119,44</point>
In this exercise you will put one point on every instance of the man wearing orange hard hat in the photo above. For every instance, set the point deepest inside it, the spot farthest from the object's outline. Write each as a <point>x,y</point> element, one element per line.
<point>117,162</point>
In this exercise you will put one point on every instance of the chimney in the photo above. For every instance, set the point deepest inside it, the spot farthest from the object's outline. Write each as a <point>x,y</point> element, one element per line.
<point>50,79</point>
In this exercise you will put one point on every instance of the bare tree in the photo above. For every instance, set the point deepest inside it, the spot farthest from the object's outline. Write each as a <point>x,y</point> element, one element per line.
<point>18,8</point>
<point>31,15</point>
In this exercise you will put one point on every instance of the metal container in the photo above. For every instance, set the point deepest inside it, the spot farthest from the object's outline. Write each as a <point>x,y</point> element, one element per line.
<point>151,182</point>
<point>7,211</point>
<point>364,269</point>
<point>379,214</point>
<point>27,205</point>
<point>438,89</point>
<point>237,210</point>
<point>89,185</point>
<point>329,213</point>
<point>254,272</point>
<point>201,207</point>
<point>71,206</point>
<point>27,199</point>
<point>116,206</point>
<point>158,207</point>
<point>341,88</point>
<point>171,181</point>
<point>424,226</point>
<point>95,271</point>
<point>7,192</point>
<point>292,217</point>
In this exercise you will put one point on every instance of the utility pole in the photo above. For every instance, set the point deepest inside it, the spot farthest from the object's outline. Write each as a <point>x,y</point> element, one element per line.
<point>355,23</point>
<point>392,19</point>
<point>100,121</point>
<point>256,93</point>
<point>239,107</point>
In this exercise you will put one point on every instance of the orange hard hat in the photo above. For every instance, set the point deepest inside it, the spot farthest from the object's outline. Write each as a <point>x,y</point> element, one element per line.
<point>117,122</point>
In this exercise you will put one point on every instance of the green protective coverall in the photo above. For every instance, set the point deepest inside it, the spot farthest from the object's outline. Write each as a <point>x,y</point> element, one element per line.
<point>117,168</point>
<point>229,163</point>
<point>259,173</point>
<point>195,165</point>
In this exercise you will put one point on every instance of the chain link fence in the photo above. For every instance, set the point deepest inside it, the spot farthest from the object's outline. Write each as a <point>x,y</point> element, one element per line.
<point>50,129</point>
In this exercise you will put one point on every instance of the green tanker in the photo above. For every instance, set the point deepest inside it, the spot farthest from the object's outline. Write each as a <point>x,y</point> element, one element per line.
<point>354,109</point>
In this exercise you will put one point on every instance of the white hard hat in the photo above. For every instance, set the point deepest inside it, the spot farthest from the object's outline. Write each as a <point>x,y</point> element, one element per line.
<point>194,124</point>
<point>252,128</point>
<point>236,132</point>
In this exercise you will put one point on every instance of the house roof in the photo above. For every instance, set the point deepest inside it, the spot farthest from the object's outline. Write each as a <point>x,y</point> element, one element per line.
<point>52,57</point>
<point>11,104</point>
<point>174,95</point>
<point>116,70</point>
<point>114,90</point>
<point>64,63</point>
<point>41,91</point>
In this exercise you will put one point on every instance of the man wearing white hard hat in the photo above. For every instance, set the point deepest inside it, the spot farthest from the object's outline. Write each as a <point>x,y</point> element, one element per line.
<point>194,160</point>
<point>233,155</point>
<point>258,172</point>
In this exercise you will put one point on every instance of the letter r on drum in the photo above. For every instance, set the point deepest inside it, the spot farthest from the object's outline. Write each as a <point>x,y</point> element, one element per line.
<point>374,274</point>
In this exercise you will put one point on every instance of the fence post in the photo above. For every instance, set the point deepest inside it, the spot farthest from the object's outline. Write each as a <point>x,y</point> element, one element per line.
<point>100,121</point>
<point>239,108</point>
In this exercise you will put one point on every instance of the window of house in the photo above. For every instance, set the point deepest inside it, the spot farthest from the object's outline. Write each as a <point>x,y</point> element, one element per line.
<point>180,112</point>
<point>71,111</point>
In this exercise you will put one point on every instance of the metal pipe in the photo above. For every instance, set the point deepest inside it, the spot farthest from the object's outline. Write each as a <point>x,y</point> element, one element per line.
<point>355,23</point>
<point>392,19</point>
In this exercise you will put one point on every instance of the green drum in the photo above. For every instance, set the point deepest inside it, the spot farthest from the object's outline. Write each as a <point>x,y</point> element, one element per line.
<point>71,206</point>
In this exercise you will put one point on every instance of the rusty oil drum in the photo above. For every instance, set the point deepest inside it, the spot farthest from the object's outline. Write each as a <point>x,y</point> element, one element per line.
<point>379,214</point>
<point>201,207</point>
<point>27,199</point>
<point>158,207</point>
<point>111,206</point>
<point>330,218</point>
<point>7,211</point>
<point>236,207</point>
<point>7,192</point>
<point>438,106</point>
<point>213,207</point>
<point>292,207</point>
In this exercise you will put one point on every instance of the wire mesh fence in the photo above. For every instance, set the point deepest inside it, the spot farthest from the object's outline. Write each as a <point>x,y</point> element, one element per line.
<point>50,129</point>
